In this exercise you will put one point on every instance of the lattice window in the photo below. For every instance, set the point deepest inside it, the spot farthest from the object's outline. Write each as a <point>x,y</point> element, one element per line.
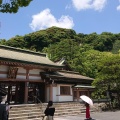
<point>12,72</point>
<point>64,90</point>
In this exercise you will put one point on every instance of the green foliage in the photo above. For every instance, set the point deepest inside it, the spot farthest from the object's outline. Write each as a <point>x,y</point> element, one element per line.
<point>87,61</point>
<point>83,52</point>
<point>116,47</point>
<point>17,41</point>
<point>12,6</point>
<point>109,74</point>
<point>89,54</point>
<point>2,41</point>
<point>44,38</point>
<point>65,48</point>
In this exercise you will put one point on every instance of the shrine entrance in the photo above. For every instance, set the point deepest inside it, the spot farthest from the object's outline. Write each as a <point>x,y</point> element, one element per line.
<point>15,92</point>
<point>36,92</point>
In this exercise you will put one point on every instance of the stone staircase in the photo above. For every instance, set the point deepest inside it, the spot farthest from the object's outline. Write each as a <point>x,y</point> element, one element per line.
<point>36,111</point>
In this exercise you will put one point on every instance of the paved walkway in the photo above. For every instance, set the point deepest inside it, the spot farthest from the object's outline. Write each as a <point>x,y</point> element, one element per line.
<point>96,116</point>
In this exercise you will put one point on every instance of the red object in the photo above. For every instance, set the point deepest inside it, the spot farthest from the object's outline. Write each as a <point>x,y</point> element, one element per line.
<point>87,112</point>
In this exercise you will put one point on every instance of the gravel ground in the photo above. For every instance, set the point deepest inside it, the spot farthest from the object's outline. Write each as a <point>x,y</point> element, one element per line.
<point>96,116</point>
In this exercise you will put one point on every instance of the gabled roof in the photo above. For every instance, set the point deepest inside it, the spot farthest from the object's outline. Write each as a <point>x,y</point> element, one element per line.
<point>67,76</point>
<point>25,56</point>
<point>74,75</point>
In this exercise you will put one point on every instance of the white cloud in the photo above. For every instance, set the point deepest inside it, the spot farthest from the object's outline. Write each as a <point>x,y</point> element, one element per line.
<point>89,4</point>
<point>118,8</point>
<point>45,19</point>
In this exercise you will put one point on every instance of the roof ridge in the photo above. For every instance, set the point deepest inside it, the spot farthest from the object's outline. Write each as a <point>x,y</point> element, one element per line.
<point>22,50</point>
<point>66,71</point>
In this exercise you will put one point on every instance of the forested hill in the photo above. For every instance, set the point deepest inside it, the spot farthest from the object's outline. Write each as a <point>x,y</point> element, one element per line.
<point>83,52</point>
<point>36,41</point>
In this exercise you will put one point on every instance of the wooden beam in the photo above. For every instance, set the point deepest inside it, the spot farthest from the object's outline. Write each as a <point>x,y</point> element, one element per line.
<point>22,74</point>
<point>20,80</point>
<point>30,66</point>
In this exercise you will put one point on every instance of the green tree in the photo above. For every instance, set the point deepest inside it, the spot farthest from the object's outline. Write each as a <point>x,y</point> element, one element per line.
<point>87,61</point>
<point>2,41</point>
<point>116,47</point>
<point>65,48</point>
<point>108,75</point>
<point>16,41</point>
<point>12,6</point>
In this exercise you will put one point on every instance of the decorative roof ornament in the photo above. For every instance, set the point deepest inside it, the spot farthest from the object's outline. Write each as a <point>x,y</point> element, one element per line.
<point>61,61</point>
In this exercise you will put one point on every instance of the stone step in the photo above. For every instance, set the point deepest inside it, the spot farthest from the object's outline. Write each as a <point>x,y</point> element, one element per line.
<point>35,117</point>
<point>42,113</point>
<point>35,107</point>
<point>42,109</point>
<point>25,117</point>
<point>36,111</point>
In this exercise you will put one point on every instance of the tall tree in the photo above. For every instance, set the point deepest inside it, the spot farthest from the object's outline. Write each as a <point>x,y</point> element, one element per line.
<point>12,6</point>
<point>109,75</point>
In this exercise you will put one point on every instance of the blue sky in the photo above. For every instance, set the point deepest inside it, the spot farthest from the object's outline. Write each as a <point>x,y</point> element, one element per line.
<point>83,16</point>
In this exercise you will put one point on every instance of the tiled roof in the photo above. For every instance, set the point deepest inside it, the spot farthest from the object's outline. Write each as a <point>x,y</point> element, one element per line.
<point>74,75</point>
<point>68,75</point>
<point>15,54</point>
<point>83,86</point>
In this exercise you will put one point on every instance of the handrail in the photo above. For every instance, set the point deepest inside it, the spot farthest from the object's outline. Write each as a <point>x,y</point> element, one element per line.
<point>3,90</point>
<point>40,102</point>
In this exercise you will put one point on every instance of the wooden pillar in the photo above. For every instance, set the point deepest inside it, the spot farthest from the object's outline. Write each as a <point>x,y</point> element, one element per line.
<point>88,93</point>
<point>45,93</point>
<point>26,92</point>
<point>16,94</point>
<point>26,87</point>
<point>9,93</point>
<point>72,93</point>
<point>51,92</point>
<point>78,94</point>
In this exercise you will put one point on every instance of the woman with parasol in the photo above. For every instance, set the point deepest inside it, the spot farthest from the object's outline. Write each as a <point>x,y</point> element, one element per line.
<point>88,102</point>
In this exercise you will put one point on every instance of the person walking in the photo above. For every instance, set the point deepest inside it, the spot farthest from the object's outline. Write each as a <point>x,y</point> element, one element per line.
<point>3,112</point>
<point>87,111</point>
<point>49,111</point>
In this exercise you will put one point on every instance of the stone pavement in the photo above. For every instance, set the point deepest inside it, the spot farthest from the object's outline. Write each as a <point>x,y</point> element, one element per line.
<point>96,116</point>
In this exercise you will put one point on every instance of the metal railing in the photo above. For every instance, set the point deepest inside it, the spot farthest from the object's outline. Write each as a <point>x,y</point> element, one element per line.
<point>3,91</point>
<point>41,104</point>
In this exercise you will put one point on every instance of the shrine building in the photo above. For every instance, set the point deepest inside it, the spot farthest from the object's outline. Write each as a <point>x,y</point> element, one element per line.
<point>28,77</point>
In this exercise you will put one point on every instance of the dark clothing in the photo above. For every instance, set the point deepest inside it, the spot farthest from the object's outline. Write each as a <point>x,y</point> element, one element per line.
<point>49,111</point>
<point>3,112</point>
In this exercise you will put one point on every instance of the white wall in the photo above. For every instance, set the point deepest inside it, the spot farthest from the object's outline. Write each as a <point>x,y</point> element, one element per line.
<point>21,70</point>
<point>47,94</point>
<point>33,71</point>
<point>21,73</point>
<point>3,68</point>
<point>65,97</point>
<point>56,94</point>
